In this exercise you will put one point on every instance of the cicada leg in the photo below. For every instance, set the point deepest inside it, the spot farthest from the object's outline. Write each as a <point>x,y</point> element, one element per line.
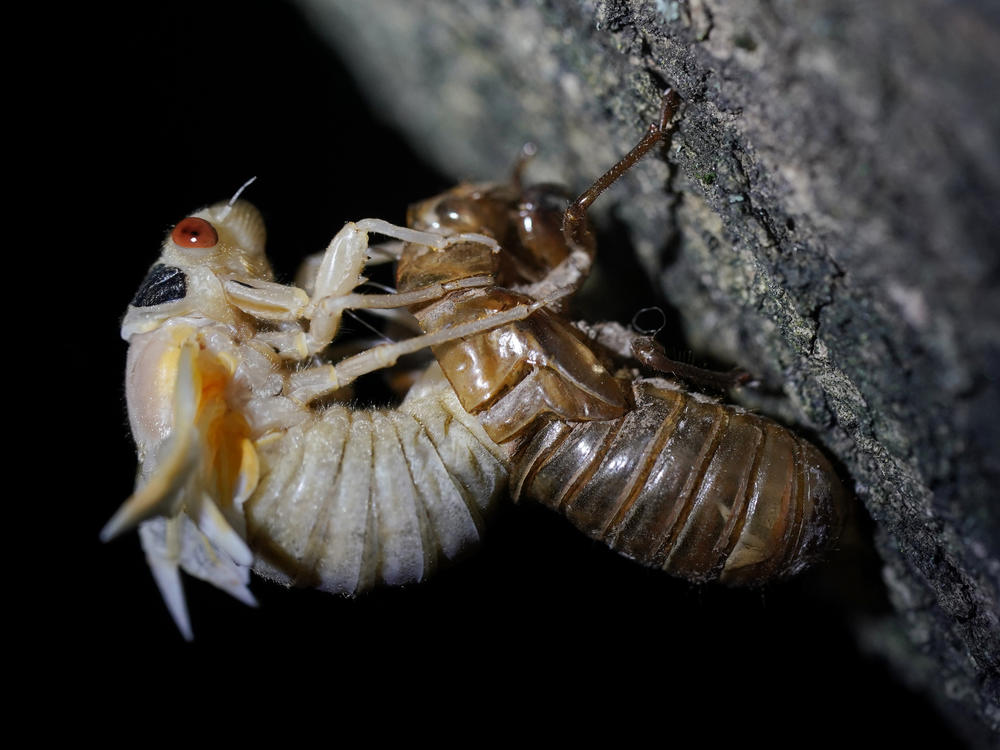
<point>570,274</point>
<point>316,382</point>
<point>651,354</point>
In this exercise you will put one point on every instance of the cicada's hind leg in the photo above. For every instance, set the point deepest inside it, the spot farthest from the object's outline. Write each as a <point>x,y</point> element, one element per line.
<point>650,353</point>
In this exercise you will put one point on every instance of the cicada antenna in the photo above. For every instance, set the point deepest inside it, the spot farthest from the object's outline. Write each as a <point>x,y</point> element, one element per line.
<point>236,196</point>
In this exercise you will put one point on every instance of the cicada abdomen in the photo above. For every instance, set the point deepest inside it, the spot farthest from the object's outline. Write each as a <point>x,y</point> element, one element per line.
<point>702,490</point>
<point>353,498</point>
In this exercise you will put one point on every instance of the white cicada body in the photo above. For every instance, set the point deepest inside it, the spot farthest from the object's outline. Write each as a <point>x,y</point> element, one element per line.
<point>241,468</point>
<point>358,497</point>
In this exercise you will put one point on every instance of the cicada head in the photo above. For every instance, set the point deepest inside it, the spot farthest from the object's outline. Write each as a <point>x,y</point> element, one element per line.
<point>527,222</point>
<point>226,239</point>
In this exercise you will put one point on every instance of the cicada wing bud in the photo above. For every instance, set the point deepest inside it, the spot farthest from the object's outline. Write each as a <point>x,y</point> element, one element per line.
<point>173,544</point>
<point>173,460</point>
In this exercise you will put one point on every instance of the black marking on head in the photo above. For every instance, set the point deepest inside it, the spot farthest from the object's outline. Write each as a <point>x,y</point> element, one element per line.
<point>162,284</point>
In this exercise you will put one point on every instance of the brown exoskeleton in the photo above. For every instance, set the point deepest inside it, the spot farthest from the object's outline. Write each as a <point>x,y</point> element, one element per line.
<point>672,479</point>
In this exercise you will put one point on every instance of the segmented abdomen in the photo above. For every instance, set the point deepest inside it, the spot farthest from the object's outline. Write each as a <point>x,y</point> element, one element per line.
<point>700,489</point>
<point>352,498</point>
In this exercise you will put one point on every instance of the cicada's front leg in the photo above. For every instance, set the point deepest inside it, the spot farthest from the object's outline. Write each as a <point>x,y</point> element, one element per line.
<point>338,273</point>
<point>333,279</point>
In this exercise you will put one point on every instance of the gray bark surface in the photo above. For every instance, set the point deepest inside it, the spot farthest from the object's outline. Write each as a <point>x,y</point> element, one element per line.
<point>826,216</point>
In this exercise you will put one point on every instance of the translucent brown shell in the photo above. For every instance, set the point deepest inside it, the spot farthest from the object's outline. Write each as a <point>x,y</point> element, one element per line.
<point>702,490</point>
<point>671,479</point>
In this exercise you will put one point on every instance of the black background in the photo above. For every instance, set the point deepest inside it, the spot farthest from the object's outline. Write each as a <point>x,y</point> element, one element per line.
<point>186,103</point>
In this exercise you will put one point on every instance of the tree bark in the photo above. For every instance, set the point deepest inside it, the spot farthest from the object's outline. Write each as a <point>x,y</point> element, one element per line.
<point>826,216</point>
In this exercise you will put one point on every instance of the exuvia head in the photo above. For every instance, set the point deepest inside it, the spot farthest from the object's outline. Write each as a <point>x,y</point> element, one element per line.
<point>527,222</point>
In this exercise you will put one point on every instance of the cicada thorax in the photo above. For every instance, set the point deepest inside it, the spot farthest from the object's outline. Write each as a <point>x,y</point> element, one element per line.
<point>702,490</point>
<point>516,374</point>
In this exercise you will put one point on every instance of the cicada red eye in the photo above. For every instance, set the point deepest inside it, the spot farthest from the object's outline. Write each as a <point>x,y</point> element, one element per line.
<point>194,232</point>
